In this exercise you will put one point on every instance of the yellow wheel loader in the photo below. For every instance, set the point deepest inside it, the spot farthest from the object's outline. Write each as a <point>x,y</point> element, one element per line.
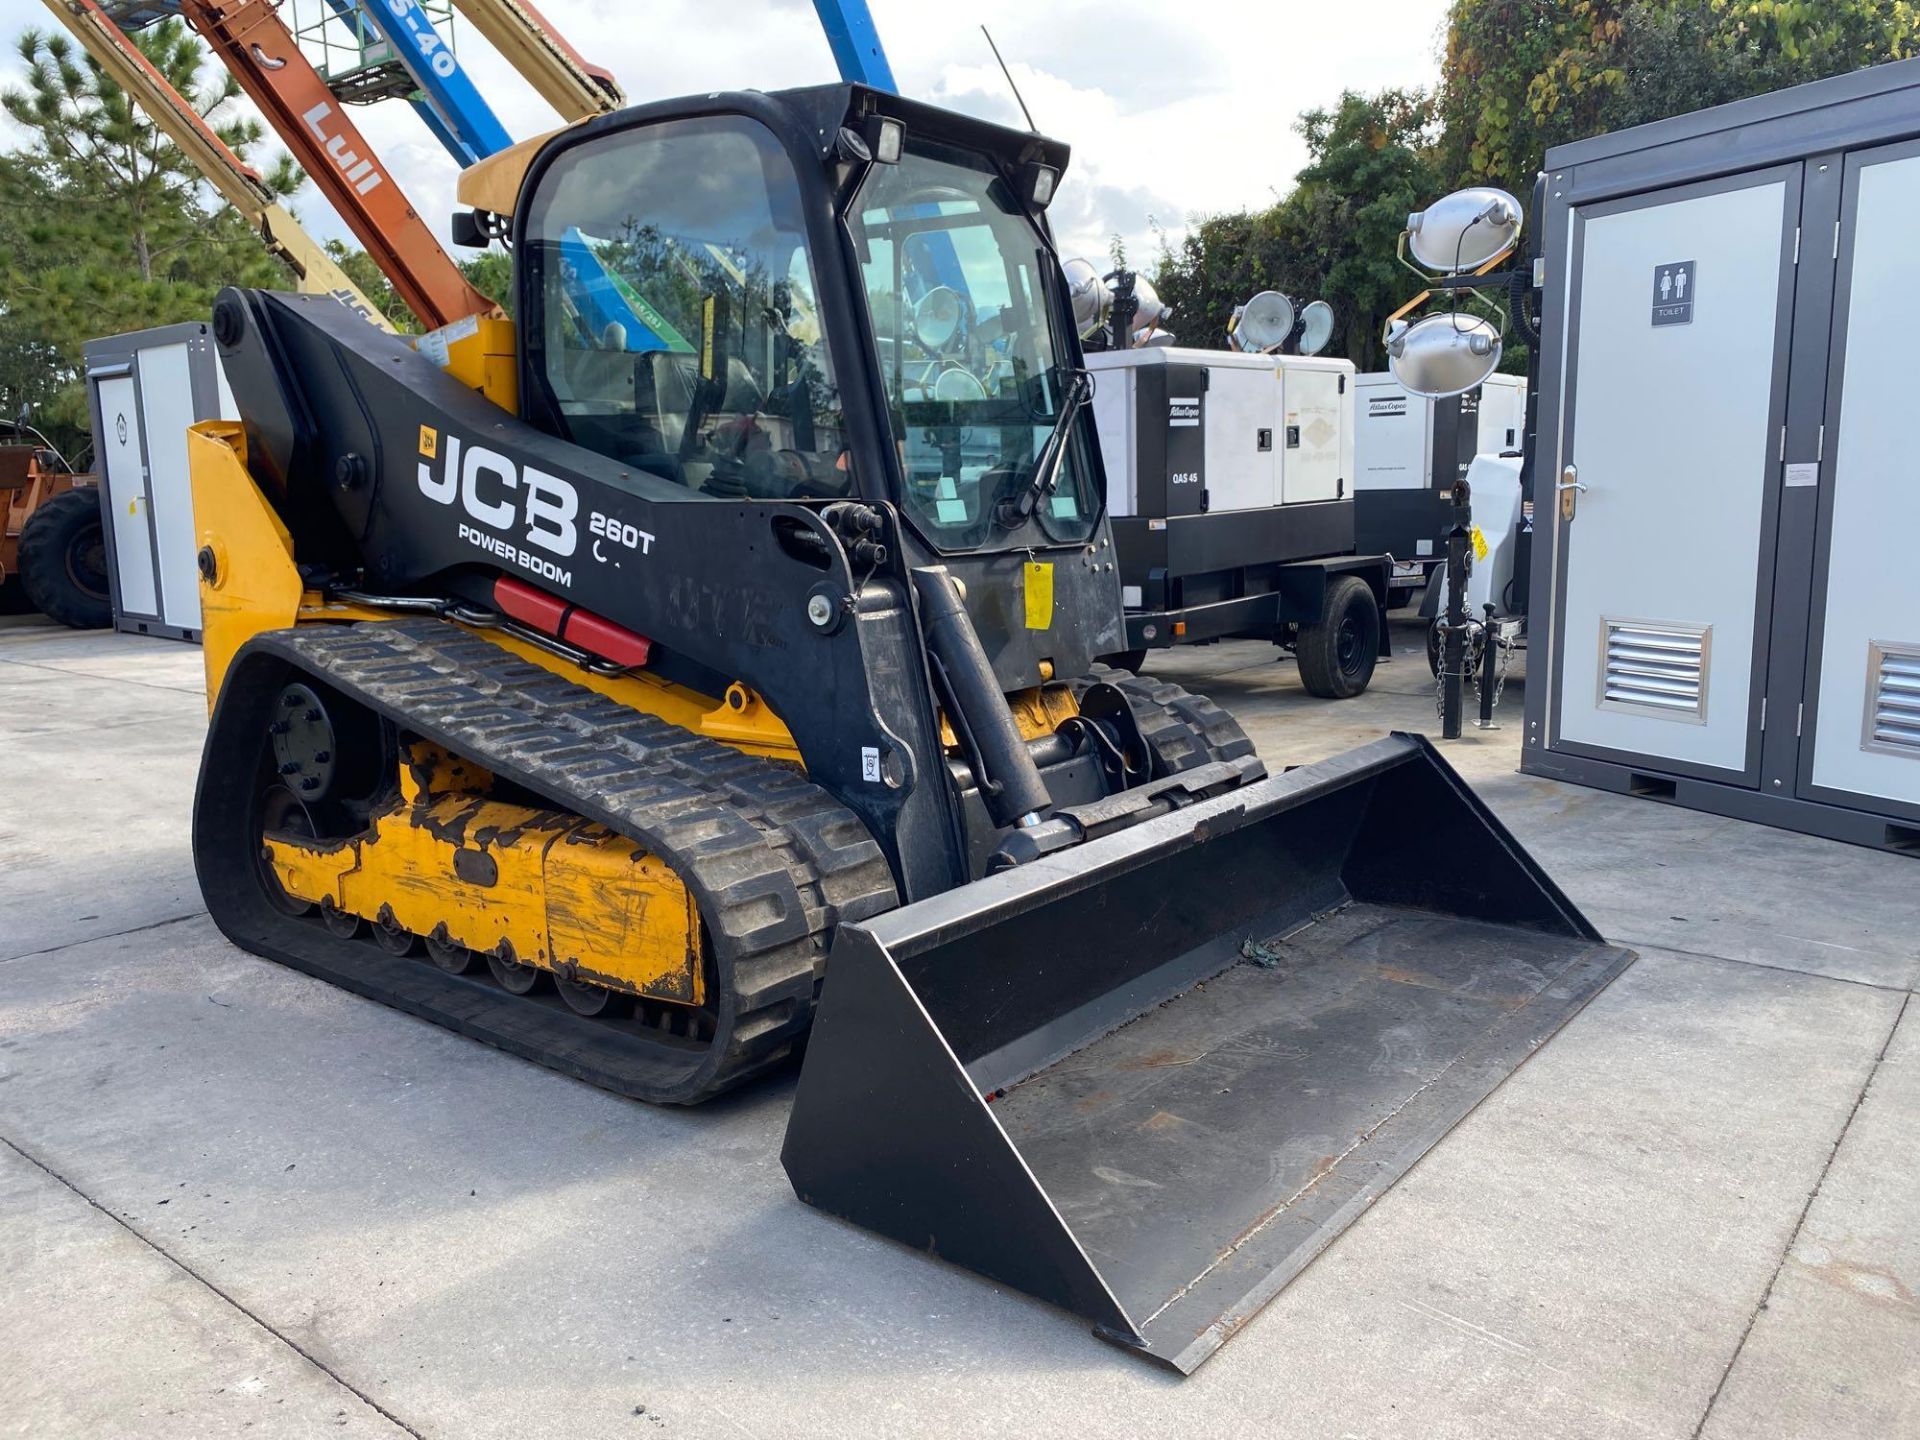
<point>703,666</point>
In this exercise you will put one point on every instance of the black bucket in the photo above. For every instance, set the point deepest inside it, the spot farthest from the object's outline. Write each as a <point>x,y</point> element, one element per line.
<point>1150,1078</point>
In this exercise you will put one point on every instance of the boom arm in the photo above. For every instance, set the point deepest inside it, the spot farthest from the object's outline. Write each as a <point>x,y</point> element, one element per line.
<point>855,42</point>
<point>250,39</point>
<point>451,102</point>
<point>315,272</point>
<point>564,78</point>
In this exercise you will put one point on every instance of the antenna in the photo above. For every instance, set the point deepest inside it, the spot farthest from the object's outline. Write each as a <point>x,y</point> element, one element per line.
<point>1010,85</point>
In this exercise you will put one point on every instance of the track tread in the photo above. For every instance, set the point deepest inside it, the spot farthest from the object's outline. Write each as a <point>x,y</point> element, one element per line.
<point>775,862</point>
<point>1182,729</point>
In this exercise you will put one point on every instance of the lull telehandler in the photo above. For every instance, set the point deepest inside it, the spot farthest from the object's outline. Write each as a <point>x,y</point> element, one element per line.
<point>705,671</point>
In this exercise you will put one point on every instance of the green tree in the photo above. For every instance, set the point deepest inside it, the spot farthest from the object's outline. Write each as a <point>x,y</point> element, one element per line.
<point>1523,75</point>
<point>1370,167</point>
<point>1332,237</point>
<point>491,273</point>
<point>108,227</point>
<point>89,137</point>
<point>373,284</point>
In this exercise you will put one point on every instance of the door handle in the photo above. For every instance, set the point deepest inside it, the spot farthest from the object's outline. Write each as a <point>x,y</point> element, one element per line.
<point>1569,488</point>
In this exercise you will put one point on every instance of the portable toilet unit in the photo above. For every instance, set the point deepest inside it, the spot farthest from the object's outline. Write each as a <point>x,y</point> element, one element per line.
<point>1728,494</point>
<point>144,389</point>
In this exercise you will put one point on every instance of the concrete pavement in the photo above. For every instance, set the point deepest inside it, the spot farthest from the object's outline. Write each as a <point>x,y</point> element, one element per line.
<point>234,1200</point>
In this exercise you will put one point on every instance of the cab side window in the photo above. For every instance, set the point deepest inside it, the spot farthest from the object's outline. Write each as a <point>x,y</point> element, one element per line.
<point>677,327</point>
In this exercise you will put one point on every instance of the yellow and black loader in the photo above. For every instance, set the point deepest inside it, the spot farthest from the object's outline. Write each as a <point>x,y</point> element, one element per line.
<point>704,667</point>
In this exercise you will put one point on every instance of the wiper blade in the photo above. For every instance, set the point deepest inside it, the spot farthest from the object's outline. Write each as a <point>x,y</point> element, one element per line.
<point>1013,511</point>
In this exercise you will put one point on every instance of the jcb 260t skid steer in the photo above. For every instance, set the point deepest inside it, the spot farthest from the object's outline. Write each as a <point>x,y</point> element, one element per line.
<point>721,665</point>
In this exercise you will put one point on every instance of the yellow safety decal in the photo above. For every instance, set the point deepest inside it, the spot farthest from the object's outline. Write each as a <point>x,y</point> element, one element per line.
<point>429,442</point>
<point>1479,544</point>
<point>1039,594</point>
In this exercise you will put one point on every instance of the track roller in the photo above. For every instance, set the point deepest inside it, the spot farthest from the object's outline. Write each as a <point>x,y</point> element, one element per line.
<point>582,997</point>
<point>512,976</point>
<point>450,956</point>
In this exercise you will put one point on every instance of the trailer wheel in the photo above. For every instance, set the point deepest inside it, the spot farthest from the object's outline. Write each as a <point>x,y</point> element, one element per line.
<point>63,561</point>
<point>1127,660</point>
<point>1338,651</point>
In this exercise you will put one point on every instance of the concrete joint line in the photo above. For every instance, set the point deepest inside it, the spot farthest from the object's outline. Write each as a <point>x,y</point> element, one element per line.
<point>89,675</point>
<point>1800,1223</point>
<point>200,1279</point>
<point>95,939</point>
<point>1708,955</point>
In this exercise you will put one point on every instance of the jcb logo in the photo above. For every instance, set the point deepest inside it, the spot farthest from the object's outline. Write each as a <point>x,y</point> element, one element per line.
<point>539,507</point>
<point>360,171</point>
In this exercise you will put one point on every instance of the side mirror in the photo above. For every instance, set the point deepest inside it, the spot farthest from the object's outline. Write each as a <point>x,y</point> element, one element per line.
<point>467,230</point>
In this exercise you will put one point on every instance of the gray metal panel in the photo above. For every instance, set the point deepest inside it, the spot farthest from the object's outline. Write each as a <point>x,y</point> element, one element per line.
<point>167,407</point>
<point>1871,106</point>
<point>123,487</point>
<point>1867,504</point>
<point>1769,807</point>
<point>1793,575</point>
<point>1655,566</point>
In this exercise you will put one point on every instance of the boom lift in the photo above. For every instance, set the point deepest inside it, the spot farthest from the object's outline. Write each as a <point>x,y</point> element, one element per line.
<point>250,39</point>
<point>563,76</point>
<point>627,713</point>
<point>315,272</point>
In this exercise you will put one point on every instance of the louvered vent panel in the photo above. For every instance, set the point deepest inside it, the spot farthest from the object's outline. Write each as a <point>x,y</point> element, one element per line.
<point>1893,698</point>
<point>1656,669</point>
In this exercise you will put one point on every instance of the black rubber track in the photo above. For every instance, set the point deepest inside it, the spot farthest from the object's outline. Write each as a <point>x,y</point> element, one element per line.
<point>1181,728</point>
<point>774,862</point>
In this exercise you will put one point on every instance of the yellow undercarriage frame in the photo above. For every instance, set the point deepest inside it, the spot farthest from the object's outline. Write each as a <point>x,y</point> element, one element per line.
<point>536,887</point>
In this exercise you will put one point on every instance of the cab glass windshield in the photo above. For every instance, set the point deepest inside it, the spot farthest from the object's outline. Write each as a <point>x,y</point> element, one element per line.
<point>679,331</point>
<point>971,360</point>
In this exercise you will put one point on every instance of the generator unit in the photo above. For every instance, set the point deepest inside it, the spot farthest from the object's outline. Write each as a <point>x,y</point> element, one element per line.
<point>1408,451</point>
<point>1230,484</point>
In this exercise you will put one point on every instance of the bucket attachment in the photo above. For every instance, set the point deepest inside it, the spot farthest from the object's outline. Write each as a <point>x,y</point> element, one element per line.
<point>1150,1078</point>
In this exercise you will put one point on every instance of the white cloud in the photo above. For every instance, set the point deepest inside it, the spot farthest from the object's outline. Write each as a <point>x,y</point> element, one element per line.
<point>1173,111</point>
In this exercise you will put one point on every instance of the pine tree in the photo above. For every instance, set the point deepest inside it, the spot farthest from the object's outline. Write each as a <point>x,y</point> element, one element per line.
<point>108,226</point>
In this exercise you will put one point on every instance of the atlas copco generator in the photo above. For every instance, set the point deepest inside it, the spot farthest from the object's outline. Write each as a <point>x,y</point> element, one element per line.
<point>1230,485</point>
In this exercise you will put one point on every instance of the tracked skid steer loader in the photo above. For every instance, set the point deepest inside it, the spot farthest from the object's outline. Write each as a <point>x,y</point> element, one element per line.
<point>707,660</point>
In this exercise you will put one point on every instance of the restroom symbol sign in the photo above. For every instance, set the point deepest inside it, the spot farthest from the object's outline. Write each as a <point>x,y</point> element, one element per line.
<point>1673,287</point>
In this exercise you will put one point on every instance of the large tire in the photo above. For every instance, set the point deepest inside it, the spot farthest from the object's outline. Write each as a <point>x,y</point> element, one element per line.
<point>63,561</point>
<point>1337,652</point>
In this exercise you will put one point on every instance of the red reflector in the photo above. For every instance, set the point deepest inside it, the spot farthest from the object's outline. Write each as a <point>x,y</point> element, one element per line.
<point>577,627</point>
<point>603,637</point>
<point>535,607</point>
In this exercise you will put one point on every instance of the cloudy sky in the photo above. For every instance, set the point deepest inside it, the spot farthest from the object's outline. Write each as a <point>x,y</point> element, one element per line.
<point>1173,109</point>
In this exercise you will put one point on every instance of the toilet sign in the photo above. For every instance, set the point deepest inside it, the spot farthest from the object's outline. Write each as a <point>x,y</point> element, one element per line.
<point>1673,287</point>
